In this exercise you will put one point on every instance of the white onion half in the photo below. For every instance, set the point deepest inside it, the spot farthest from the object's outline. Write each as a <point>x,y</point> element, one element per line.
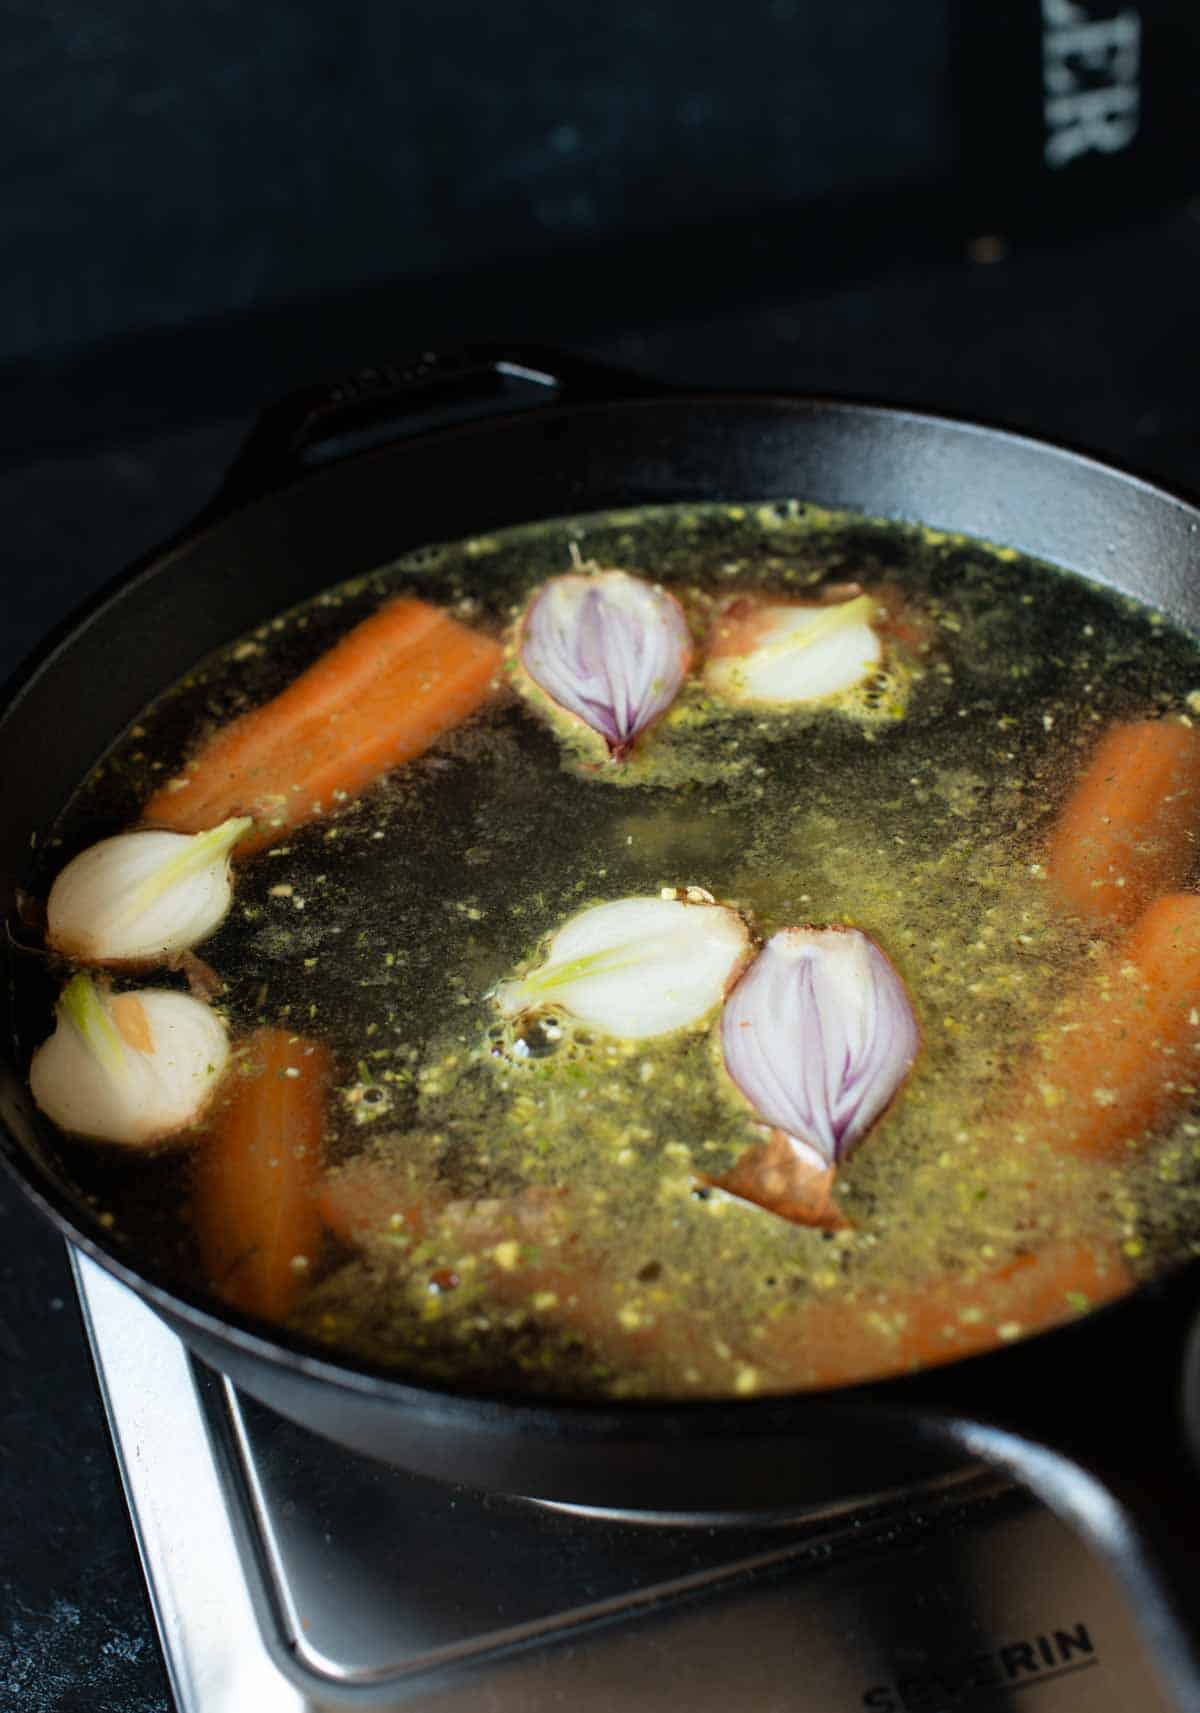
<point>789,654</point>
<point>132,1068</point>
<point>143,896</point>
<point>636,967</point>
<point>818,1035</point>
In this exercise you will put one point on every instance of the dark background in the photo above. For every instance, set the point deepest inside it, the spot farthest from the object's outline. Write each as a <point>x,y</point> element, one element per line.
<point>180,160</point>
<point>209,204</point>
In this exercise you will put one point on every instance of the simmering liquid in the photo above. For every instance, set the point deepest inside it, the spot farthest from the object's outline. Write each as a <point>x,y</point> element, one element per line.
<point>552,1224</point>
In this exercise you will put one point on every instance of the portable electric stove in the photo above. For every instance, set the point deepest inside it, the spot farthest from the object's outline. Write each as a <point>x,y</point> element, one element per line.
<point>289,1576</point>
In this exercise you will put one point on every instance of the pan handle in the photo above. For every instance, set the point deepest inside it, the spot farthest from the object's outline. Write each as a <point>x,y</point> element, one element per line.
<point>320,424</point>
<point>1108,1436</point>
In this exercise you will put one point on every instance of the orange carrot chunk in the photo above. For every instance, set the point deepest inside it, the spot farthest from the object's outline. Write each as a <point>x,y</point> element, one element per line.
<point>1125,1050</point>
<point>1128,830</point>
<point>523,1251</point>
<point>528,1257</point>
<point>256,1174</point>
<point>878,1334</point>
<point>378,698</point>
<point>367,1198</point>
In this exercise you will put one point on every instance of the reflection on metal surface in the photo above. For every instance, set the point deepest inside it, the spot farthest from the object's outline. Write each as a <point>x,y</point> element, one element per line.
<point>288,1576</point>
<point>380,1574</point>
<point>207,1625</point>
<point>972,1481</point>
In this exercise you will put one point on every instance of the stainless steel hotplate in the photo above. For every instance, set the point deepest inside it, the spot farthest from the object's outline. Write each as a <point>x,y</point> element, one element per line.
<point>289,1576</point>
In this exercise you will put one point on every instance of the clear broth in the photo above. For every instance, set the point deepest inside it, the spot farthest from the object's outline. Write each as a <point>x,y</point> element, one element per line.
<point>383,929</point>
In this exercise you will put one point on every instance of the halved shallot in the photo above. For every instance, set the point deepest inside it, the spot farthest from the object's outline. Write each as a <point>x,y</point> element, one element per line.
<point>788,652</point>
<point>637,967</point>
<point>144,896</point>
<point>608,649</point>
<point>818,1035</point>
<point>131,1068</point>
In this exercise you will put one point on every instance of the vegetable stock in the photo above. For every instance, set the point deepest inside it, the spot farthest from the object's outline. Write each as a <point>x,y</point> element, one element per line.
<point>514,1199</point>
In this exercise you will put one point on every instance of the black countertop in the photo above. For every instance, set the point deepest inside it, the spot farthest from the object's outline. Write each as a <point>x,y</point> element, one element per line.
<point>1094,341</point>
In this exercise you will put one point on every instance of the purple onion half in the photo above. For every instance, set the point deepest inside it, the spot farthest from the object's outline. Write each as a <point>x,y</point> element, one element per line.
<point>610,649</point>
<point>818,1035</point>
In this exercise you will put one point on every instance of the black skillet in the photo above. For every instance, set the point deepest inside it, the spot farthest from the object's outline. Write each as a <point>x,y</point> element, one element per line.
<point>1099,1418</point>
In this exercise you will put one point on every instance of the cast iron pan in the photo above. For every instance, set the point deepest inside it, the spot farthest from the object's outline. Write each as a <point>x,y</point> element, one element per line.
<point>1099,1417</point>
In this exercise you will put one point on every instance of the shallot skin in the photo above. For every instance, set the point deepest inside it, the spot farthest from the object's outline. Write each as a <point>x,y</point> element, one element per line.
<point>609,650</point>
<point>819,1034</point>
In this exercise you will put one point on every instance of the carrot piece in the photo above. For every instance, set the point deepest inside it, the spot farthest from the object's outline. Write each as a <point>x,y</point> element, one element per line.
<point>369,1197</point>
<point>1127,830</point>
<point>822,1344</point>
<point>254,1191</point>
<point>378,698</point>
<point>1123,1054</point>
<point>523,1250</point>
<point>884,1333</point>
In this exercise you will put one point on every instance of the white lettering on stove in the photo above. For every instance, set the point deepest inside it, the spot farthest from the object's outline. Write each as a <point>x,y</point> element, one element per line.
<point>1090,88</point>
